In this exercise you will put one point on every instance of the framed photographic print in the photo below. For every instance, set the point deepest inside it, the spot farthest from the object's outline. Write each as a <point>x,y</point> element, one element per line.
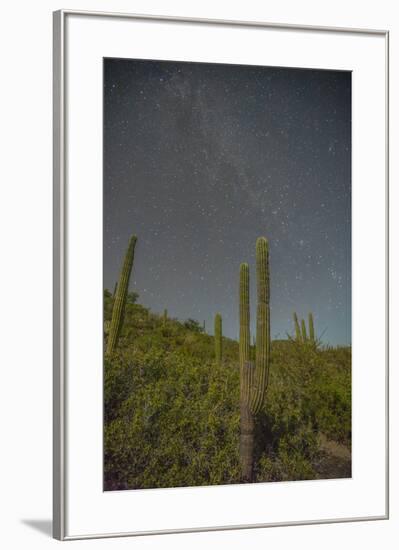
<point>220,274</point>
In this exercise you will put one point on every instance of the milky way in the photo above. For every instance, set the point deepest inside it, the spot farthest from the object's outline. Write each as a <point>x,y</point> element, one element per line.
<point>201,159</point>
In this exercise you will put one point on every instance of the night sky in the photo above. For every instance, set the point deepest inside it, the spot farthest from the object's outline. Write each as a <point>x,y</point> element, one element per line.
<point>201,159</point>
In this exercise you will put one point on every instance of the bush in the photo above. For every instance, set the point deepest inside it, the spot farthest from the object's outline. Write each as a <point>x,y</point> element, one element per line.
<point>171,415</point>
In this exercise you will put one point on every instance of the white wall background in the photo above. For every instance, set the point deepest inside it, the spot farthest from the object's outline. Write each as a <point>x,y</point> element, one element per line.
<point>26,271</point>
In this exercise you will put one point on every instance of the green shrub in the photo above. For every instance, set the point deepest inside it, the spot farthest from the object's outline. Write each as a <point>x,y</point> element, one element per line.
<point>171,415</point>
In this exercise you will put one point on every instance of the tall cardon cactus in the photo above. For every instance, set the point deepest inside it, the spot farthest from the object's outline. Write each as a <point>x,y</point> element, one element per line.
<point>218,338</point>
<point>253,377</point>
<point>247,423</point>
<point>120,297</point>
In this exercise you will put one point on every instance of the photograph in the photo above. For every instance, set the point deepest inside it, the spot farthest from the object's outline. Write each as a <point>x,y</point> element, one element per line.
<point>227,319</point>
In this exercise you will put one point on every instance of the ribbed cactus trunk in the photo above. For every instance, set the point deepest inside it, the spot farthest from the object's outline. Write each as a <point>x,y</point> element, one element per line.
<point>311,329</point>
<point>218,338</point>
<point>298,335</point>
<point>303,327</point>
<point>120,298</point>
<point>262,326</point>
<point>254,378</point>
<point>245,335</point>
<point>247,424</point>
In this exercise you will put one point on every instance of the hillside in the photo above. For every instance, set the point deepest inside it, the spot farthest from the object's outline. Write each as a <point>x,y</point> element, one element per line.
<point>172,418</point>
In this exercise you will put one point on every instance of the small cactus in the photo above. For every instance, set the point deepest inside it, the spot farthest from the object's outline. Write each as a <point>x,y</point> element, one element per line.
<point>218,338</point>
<point>301,334</point>
<point>311,329</point>
<point>164,317</point>
<point>120,298</point>
<point>298,335</point>
<point>303,327</point>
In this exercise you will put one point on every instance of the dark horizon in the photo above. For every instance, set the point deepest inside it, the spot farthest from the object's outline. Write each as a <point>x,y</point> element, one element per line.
<point>201,159</point>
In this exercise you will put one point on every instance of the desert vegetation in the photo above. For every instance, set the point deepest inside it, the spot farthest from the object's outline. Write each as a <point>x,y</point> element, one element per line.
<point>185,408</point>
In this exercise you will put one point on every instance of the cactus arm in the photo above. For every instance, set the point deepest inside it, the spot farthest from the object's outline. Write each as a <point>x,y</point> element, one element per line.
<point>244,345</point>
<point>247,370</point>
<point>120,298</point>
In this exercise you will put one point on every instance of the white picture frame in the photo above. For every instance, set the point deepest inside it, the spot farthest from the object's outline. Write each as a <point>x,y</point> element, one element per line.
<point>81,508</point>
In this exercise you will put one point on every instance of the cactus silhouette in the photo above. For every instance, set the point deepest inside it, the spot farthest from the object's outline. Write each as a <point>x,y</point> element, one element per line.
<point>164,317</point>
<point>303,327</point>
<point>298,335</point>
<point>218,338</point>
<point>120,298</point>
<point>253,378</point>
<point>311,329</point>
